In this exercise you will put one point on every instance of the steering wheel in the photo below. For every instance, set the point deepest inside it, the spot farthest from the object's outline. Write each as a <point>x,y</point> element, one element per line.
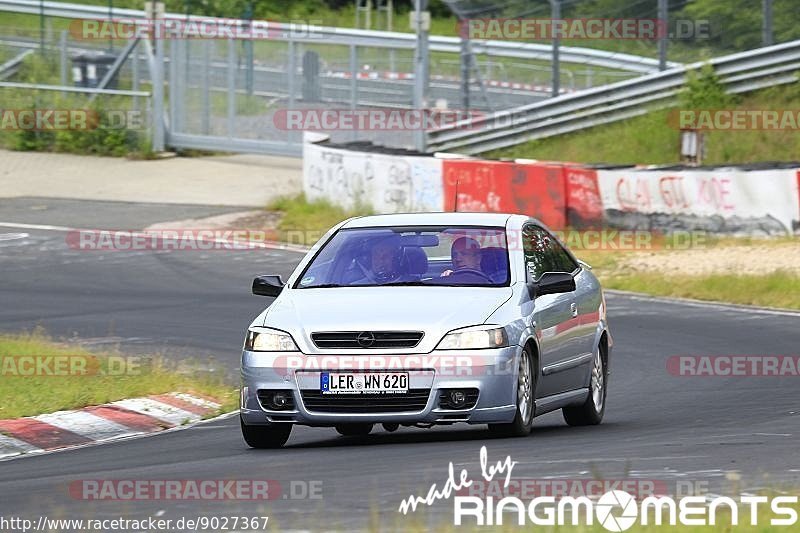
<point>472,271</point>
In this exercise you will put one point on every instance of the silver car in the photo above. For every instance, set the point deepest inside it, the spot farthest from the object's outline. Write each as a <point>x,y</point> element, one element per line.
<point>427,319</point>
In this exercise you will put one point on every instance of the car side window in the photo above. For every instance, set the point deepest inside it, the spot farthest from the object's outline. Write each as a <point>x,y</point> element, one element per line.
<point>543,253</point>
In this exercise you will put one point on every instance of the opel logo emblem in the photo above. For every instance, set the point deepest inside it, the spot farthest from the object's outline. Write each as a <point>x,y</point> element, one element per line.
<point>365,339</point>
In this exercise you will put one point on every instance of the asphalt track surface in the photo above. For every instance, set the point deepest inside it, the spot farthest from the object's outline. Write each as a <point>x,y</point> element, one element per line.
<point>658,426</point>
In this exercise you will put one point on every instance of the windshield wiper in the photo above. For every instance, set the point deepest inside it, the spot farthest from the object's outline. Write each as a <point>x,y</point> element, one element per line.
<point>403,284</point>
<point>324,286</point>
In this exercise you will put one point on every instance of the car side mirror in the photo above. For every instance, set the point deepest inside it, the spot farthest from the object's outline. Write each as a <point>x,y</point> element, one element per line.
<point>267,286</point>
<point>551,283</point>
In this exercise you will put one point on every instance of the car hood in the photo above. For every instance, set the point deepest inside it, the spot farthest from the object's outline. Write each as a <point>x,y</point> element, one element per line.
<point>433,310</point>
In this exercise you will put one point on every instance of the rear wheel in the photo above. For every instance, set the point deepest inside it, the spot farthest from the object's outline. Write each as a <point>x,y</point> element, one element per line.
<point>354,430</point>
<point>592,410</point>
<point>526,390</point>
<point>271,436</point>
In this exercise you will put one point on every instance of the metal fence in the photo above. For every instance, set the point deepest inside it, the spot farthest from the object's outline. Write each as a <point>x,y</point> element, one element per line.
<point>222,95</point>
<point>741,72</point>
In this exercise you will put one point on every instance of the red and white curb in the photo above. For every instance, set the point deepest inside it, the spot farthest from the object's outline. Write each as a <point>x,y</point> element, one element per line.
<point>100,423</point>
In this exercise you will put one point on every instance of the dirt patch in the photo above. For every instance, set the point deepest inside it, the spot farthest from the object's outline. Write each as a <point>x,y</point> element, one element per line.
<point>751,259</point>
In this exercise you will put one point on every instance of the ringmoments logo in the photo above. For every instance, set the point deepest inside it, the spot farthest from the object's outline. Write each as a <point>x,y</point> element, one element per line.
<point>615,510</point>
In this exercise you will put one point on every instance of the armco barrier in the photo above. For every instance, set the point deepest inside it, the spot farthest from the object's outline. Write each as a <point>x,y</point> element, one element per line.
<point>719,200</point>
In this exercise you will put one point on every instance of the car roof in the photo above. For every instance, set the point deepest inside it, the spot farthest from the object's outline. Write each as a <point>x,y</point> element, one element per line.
<point>430,219</point>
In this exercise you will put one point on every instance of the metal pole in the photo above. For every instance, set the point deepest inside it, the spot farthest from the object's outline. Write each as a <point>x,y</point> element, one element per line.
<point>41,26</point>
<point>766,30</point>
<point>206,104</point>
<point>63,58</point>
<point>135,75</point>
<point>291,70</point>
<point>248,45</point>
<point>421,59</point>
<point>555,8</point>
<point>110,22</point>
<point>181,93</point>
<point>231,87</point>
<point>354,82</point>
<point>158,85</point>
<point>662,39</point>
<point>173,85</point>
<point>464,70</point>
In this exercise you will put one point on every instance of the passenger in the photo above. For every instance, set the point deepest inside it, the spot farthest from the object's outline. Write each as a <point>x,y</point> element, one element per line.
<point>466,255</point>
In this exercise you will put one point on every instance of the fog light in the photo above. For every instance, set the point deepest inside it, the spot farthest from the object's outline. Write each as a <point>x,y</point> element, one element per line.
<point>276,400</point>
<point>457,398</point>
<point>280,400</point>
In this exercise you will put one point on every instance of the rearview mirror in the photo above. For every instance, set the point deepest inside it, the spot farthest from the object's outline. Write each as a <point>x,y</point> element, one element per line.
<point>552,283</point>
<point>267,286</point>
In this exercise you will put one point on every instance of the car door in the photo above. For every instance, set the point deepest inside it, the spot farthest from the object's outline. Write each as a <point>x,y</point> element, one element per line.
<point>552,313</point>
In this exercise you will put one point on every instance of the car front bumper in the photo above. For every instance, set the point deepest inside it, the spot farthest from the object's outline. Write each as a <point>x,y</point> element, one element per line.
<point>492,372</point>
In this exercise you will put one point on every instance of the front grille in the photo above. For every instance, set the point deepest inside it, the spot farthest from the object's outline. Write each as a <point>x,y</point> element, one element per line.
<point>361,339</point>
<point>413,400</point>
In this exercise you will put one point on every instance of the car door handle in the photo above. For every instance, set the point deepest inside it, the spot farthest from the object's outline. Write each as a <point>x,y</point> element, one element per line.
<point>574,308</point>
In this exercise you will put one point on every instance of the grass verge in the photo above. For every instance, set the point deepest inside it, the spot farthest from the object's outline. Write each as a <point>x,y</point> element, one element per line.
<point>303,222</point>
<point>780,289</point>
<point>87,378</point>
<point>650,139</point>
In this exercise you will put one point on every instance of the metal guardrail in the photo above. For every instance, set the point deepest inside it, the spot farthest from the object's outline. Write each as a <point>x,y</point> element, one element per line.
<point>740,72</point>
<point>10,67</point>
<point>371,38</point>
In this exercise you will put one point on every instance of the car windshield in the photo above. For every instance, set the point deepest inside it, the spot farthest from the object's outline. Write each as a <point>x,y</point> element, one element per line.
<point>402,256</point>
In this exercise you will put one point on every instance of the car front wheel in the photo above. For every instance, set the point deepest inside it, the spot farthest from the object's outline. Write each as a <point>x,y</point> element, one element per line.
<point>592,410</point>
<point>271,436</point>
<point>526,390</point>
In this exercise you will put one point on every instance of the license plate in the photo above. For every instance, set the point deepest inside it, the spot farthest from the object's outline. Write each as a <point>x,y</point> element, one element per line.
<point>363,383</point>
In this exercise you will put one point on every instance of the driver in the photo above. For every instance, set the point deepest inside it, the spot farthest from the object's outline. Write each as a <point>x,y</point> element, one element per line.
<point>466,255</point>
<point>384,262</point>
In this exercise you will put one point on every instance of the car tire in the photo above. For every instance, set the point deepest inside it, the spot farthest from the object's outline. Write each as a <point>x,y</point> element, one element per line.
<point>354,430</point>
<point>526,403</point>
<point>592,410</point>
<point>263,437</point>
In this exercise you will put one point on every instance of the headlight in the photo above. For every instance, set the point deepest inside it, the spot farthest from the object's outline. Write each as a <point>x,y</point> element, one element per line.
<point>269,341</point>
<point>474,338</point>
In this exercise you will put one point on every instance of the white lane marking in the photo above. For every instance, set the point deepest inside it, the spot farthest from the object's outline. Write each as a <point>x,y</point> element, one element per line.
<point>86,424</point>
<point>699,303</point>
<point>286,247</point>
<point>156,409</point>
<point>35,226</point>
<point>195,400</point>
<point>13,236</point>
<point>9,446</point>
